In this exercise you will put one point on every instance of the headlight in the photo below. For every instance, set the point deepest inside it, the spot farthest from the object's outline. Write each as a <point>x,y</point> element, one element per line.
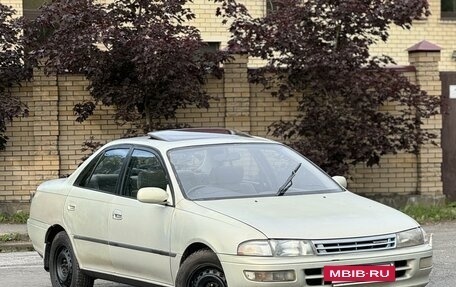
<point>255,248</point>
<point>410,237</point>
<point>278,248</point>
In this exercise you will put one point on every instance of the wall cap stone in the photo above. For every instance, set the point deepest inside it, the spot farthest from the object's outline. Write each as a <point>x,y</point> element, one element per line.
<point>424,46</point>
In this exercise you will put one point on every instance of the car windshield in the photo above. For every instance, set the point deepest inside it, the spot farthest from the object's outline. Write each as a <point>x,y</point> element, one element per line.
<point>245,170</point>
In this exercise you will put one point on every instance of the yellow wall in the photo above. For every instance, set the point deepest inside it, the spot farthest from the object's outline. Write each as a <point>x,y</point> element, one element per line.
<point>433,29</point>
<point>47,144</point>
<point>211,27</point>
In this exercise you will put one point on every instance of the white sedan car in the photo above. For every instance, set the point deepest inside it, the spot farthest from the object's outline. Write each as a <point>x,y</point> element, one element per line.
<point>212,208</point>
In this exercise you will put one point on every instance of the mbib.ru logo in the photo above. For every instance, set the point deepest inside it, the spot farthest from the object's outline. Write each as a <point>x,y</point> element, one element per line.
<point>359,273</point>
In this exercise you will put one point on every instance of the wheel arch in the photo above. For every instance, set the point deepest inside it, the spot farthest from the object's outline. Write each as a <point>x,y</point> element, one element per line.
<point>192,248</point>
<point>50,235</point>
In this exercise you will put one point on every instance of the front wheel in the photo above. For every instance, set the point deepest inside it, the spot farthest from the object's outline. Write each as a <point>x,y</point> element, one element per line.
<point>201,269</point>
<point>63,266</point>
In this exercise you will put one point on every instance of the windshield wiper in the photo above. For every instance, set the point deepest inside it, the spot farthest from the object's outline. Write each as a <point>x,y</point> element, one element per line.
<point>289,182</point>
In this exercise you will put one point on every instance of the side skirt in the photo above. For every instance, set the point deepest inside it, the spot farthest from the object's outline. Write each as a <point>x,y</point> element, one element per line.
<point>118,279</point>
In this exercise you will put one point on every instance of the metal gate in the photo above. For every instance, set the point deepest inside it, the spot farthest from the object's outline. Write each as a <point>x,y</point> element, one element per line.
<point>449,133</point>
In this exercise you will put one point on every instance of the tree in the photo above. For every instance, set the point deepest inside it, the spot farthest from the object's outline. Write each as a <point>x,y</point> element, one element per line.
<point>318,51</point>
<point>12,70</point>
<point>140,56</point>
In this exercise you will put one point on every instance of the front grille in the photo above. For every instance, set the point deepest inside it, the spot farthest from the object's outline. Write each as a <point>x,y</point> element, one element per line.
<point>314,276</point>
<point>360,244</point>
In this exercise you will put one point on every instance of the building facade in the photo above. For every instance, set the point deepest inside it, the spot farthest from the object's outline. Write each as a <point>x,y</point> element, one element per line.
<point>439,28</point>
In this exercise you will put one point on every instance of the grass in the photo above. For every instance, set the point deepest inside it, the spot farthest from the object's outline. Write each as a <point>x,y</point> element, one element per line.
<point>19,217</point>
<point>430,214</point>
<point>10,237</point>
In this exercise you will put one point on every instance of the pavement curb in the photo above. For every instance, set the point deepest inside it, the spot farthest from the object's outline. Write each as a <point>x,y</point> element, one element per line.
<point>19,241</point>
<point>16,246</point>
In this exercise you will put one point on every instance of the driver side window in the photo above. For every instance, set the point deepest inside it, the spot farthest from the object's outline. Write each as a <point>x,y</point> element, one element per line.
<point>144,170</point>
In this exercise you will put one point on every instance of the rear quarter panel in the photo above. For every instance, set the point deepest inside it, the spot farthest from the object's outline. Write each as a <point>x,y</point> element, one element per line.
<point>46,210</point>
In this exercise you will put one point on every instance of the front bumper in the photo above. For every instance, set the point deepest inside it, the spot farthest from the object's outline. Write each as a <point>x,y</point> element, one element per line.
<point>309,270</point>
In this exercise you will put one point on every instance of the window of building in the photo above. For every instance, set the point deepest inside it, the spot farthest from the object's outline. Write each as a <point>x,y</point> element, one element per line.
<point>211,47</point>
<point>271,5</point>
<point>32,8</point>
<point>448,9</point>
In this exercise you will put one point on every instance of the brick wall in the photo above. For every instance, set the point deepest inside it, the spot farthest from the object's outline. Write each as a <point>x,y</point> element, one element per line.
<point>47,144</point>
<point>101,126</point>
<point>396,174</point>
<point>15,179</point>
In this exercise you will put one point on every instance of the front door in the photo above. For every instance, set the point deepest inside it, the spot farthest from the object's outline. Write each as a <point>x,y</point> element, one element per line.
<point>140,232</point>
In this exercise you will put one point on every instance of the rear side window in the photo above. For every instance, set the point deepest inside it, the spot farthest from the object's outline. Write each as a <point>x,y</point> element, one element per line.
<point>106,173</point>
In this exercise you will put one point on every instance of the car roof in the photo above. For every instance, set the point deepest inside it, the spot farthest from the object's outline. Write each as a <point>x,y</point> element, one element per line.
<point>196,133</point>
<point>169,139</point>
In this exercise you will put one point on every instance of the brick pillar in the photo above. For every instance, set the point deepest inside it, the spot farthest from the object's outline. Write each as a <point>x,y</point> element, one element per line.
<point>46,161</point>
<point>237,94</point>
<point>425,57</point>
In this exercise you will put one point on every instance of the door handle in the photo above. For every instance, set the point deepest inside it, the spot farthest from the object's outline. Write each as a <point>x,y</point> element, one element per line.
<point>117,215</point>
<point>71,207</point>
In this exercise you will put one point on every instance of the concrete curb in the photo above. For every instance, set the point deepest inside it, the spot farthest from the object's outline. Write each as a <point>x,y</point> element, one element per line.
<point>19,240</point>
<point>16,246</point>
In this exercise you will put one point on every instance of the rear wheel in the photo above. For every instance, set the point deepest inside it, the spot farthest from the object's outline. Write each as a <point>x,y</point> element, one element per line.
<point>63,266</point>
<point>201,269</point>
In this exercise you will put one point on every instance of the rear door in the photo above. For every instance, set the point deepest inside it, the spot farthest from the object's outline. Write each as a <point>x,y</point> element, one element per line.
<point>139,232</point>
<point>88,208</point>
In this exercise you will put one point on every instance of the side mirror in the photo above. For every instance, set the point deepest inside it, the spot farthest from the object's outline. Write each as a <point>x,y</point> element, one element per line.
<point>152,195</point>
<point>342,181</point>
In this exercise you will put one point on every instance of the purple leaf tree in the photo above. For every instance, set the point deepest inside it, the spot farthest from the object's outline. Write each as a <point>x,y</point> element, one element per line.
<point>318,52</point>
<point>12,70</point>
<point>141,57</point>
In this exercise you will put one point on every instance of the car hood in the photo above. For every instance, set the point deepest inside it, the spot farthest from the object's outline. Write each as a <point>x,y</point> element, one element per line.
<point>314,216</point>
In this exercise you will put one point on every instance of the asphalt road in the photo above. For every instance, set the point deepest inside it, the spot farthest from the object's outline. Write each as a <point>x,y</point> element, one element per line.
<point>24,269</point>
<point>444,244</point>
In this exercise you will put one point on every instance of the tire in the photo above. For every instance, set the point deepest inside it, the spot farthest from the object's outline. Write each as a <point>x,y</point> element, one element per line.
<point>63,265</point>
<point>201,269</point>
